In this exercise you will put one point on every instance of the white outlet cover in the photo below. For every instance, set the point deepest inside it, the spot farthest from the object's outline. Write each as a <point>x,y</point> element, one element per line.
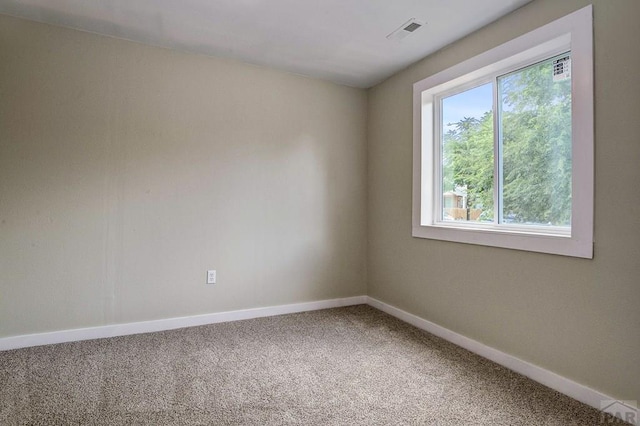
<point>211,276</point>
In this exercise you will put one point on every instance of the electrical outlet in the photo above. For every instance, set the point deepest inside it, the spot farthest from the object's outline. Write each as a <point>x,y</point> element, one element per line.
<point>211,276</point>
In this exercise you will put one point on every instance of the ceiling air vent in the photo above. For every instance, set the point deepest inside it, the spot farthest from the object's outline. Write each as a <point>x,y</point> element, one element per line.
<point>405,29</point>
<point>412,27</point>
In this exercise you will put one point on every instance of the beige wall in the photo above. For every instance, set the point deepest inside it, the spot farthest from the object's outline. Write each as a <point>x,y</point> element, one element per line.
<point>579,318</point>
<point>127,171</point>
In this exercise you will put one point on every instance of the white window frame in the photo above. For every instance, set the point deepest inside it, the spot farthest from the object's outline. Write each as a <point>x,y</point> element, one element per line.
<point>573,32</point>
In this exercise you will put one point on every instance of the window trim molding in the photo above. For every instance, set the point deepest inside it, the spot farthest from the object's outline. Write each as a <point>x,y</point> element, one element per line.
<point>575,29</point>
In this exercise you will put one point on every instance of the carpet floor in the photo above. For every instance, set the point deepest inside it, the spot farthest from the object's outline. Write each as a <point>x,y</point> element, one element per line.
<point>346,366</point>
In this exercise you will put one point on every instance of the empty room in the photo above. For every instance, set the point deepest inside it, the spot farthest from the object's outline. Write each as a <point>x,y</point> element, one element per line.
<point>339,212</point>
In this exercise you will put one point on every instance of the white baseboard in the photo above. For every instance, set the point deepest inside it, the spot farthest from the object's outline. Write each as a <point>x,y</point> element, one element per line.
<point>63,336</point>
<point>561,384</point>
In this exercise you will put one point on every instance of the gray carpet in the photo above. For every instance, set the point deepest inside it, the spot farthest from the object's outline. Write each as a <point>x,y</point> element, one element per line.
<point>347,366</point>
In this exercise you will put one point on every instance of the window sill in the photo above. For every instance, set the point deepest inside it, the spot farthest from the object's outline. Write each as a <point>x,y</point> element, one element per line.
<point>516,239</point>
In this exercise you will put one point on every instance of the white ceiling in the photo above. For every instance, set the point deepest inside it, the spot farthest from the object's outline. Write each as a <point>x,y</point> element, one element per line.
<point>343,41</point>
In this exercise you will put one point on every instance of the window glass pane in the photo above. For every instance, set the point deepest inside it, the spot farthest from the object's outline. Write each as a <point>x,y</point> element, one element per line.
<point>535,131</point>
<point>467,155</point>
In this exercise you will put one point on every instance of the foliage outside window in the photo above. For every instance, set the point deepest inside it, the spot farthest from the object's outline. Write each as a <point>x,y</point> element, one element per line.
<point>534,128</point>
<point>498,159</point>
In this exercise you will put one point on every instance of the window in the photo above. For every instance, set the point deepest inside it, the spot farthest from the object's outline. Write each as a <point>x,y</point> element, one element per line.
<point>503,144</point>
